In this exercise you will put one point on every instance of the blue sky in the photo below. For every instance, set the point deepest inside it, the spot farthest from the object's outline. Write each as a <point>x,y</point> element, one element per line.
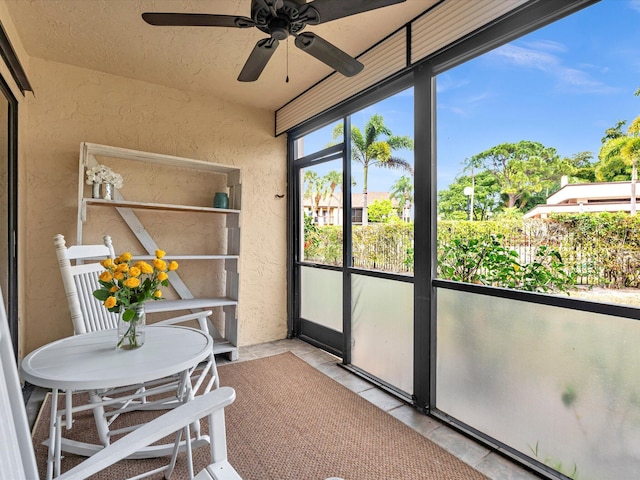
<point>562,86</point>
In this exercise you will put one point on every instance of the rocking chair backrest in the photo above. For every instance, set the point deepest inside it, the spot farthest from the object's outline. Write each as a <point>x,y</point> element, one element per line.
<point>17,460</point>
<point>80,279</point>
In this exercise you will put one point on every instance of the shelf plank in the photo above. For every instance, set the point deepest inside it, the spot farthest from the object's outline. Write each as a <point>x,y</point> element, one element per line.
<point>187,304</point>
<point>159,158</point>
<point>100,202</point>
<point>189,257</point>
<point>223,346</point>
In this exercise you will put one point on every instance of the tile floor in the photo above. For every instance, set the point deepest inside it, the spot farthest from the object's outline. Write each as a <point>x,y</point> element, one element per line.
<point>491,464</point>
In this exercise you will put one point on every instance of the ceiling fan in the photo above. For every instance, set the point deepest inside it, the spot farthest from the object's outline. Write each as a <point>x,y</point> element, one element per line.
<point>279,19</point>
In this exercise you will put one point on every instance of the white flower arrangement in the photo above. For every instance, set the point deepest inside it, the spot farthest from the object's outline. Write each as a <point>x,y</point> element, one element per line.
<point>103,174</point>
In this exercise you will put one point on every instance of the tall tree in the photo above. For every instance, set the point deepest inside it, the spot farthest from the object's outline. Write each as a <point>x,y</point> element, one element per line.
<point>315,188</point>
<point>611,167</point>
<point>624,150</point>
<point>402,193</point>
<point>614,132</point>
<point>581,168</point>
<point>521,169</point>
<point>578,168</point>
<point>334,180</point>
<point>453,203</point>
<point>371,149</point>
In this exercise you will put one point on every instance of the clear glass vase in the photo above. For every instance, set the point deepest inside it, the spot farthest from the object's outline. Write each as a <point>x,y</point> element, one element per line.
<point>131,328</point>
<point>108,191</point>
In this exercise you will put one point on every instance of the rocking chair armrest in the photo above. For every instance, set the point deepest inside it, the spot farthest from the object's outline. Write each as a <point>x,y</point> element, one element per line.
<point>210,404</point>
<point>200,316</point>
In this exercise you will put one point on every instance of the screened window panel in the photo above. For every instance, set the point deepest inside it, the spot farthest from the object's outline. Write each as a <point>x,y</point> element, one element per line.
<point>559,385</point>
<point>316,141</point>
<point>321,298</point>
<point>382,329</point>
<point>322,213</point>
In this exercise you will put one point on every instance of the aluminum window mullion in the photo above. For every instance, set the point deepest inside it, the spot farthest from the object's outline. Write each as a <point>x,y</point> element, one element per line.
<point>347,243</point>
<point>293,241</point>
<point>424,235</point>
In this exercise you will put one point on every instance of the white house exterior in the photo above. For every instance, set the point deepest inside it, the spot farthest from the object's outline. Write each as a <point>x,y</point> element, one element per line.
<point>586,198</point>
<point>329,210</point>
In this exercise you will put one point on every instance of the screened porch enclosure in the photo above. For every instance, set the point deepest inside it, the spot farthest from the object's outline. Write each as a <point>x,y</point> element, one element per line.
<point>543,376</point>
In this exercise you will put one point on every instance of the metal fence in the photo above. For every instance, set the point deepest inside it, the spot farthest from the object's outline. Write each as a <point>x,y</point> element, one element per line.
<point>385,247</point>
<point>596,257</point>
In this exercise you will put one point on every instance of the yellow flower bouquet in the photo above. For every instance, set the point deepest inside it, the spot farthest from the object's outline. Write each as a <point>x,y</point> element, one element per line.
<point>124,288</point>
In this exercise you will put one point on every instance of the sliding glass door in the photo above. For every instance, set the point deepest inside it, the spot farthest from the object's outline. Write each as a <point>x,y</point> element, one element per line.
<point>9,207</point>
<point>319,245</point>
<point>354,243</point>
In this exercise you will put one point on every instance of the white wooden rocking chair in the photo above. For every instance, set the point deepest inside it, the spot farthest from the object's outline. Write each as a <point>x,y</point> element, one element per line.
<point>17,458</point>
<point>80,279</point>
<point>88,314</point>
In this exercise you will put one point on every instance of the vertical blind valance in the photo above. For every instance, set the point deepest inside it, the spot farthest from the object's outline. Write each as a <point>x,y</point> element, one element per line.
<point>379,63</point>
<point>453,20</point>
<point>436,28</point>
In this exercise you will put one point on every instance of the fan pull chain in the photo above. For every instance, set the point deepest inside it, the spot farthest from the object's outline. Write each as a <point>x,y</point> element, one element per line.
<point>287,79</point>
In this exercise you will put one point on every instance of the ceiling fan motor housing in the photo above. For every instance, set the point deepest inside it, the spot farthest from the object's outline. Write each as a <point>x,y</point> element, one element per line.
<point>280,19</point>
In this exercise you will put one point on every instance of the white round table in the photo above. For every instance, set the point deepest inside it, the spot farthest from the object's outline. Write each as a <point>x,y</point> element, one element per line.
<point>91,362</point>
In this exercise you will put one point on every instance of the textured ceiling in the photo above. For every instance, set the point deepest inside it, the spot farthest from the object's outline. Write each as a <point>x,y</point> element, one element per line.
<point>110,36</point>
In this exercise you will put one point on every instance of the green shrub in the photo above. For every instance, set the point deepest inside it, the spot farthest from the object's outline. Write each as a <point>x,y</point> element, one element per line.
<point>381,211</point>
<point>541,255</point>
<point>485,260</point>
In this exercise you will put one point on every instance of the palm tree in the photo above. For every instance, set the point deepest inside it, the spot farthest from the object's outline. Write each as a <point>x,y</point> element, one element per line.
<point>334,179</point>
<point>625,149</point>
<point>370,150</point>
<point>315,189</point>
<point>402,192</point>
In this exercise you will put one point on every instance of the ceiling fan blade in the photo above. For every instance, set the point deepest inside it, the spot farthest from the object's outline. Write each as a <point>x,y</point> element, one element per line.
<point>258,59</point>
<point>327,53</point>
<point>321,11</point>
<point>196,20</point>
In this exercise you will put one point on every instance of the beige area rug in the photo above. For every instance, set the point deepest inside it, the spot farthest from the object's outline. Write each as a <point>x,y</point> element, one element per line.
<point>292,422</point>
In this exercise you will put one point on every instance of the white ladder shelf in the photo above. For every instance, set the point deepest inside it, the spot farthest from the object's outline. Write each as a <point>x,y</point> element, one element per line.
<point>227,341</point>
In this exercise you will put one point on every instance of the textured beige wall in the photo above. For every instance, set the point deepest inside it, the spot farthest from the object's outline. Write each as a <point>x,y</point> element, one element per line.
<point>10,30</point>
<point>72,105</point>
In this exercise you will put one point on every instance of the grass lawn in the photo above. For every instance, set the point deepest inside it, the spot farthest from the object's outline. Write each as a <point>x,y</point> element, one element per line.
<point>625,296</point>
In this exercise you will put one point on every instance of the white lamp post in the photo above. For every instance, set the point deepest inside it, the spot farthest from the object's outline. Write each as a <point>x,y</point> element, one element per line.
<point>468,191</point>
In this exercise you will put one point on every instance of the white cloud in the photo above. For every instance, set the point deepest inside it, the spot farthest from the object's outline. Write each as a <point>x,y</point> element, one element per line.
<point>548,45</point>
<point>465,106</point>
<point>479,98</point>
<point>578,78</point>
<point>527,57</point>
<point>635,5</point>
<point>544,61</point>
<point>455,109</point>
<point>446,83</point>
